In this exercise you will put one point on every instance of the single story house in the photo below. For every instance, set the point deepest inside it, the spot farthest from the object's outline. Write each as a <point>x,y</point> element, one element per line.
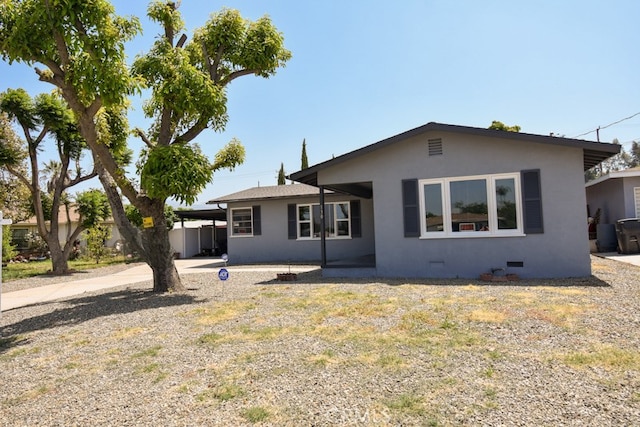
<point>436,201</point>
<point>66,225</point>
<point>616,194</point>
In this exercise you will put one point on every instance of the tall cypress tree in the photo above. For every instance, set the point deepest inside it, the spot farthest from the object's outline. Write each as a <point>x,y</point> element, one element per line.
<point>281,175</point>
<point>305,162</point>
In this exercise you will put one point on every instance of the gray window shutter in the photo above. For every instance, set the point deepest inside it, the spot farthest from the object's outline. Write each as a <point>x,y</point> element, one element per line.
<point>292,223</point>
<point>411,209</point>
<point>257,223</point>
<point>532,201</point>
<point>354,212</point>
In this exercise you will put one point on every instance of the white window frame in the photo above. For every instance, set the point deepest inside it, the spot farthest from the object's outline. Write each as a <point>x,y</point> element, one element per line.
<point>636,201</point>
<point>490,180</point>
<point>233,226</point>
<point>328,205</point>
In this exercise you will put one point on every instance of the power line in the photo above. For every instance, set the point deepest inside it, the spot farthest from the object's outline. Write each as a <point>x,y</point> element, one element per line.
<point>597,130</point>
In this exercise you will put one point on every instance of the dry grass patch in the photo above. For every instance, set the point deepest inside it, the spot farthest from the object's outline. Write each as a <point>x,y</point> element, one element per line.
<point>604,356</point>
<point>561,315</point>
<point>221,312</point>
<point>128,332</point>
<point>487,316</point>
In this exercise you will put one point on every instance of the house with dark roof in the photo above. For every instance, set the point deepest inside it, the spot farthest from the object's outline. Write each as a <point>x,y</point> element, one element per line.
<point>436,201</point>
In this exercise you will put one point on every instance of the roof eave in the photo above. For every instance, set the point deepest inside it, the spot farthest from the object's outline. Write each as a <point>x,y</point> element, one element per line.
<point>592,156</point>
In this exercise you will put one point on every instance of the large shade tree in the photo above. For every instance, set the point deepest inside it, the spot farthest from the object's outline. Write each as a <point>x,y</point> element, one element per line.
<point>47,119</point>
<point>81,46</point>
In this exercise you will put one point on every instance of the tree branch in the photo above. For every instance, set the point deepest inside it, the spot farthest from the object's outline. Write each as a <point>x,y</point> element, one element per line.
<point>225,81</point>
<point>181,41</point>
<point>79,179</point>
<point>143,137</point>
<point>192,132</point>
<point>20,177</point>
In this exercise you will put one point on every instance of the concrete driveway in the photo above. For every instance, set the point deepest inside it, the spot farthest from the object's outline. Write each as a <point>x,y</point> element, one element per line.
<point>136,274</point>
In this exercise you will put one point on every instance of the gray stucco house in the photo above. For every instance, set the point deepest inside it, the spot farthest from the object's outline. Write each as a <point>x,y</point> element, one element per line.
<point>616,194</point>
<point>436,201</point>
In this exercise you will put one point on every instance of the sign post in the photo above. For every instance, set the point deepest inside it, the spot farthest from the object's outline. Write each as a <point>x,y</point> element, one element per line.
<point>2,222</point>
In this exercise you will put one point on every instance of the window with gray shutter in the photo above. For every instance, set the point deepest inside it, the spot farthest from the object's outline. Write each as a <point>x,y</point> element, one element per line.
<point>532,202</point>
<point>410,208</point>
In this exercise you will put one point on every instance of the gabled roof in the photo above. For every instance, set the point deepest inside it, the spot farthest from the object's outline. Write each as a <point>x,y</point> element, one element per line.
<point>594,152</point>
<point>627,173</point>
<point>270,192</point>
<point>74,217</point>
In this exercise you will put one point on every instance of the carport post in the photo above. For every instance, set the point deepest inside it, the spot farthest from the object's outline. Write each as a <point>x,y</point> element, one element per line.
<point>323,242</point>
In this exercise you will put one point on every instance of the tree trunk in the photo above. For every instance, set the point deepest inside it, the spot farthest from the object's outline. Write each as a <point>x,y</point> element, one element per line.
<point>152,244</point>
<point>160,259</point>
<point>59,261</point>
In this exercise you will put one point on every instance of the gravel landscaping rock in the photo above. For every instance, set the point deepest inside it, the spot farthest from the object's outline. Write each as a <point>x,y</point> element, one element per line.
<point>326,352</point>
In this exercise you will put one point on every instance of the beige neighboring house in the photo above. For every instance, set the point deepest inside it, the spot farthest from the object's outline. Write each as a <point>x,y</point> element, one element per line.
<point>66,226</point>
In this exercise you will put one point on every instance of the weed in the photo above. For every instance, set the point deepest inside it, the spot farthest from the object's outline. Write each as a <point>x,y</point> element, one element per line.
<point>406,403</point>
<point>151,367</point>
<point>390,360</point>
<point>268,332</point>
<point>150,352</point>
<point>224,392</point>
<point>489,372</point>
<point>255,414</point>
<point>494,354</point>
<point>210,339</point>
<point>128,332</point>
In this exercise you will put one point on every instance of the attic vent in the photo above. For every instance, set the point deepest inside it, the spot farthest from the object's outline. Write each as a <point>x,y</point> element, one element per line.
<point>435,147</point>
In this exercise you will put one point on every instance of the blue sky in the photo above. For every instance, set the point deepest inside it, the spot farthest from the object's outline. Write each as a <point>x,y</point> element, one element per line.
<point>364,70</point>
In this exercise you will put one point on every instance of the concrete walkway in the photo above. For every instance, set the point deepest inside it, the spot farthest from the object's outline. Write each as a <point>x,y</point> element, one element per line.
<point>141,273</point>
<point>629,259</point>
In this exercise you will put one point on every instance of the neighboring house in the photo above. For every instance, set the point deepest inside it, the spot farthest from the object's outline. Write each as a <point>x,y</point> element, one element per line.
<point>436,201</point>
<point>616,194</point>
<point>66,225</point>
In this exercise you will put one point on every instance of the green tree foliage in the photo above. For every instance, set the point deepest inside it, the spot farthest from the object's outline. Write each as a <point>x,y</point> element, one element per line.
<point>93,207</point>
<point>96,237</point>
<point>81,44</point>
<point>8,250</point>
<point>134,216</point>
<point>282,179</point>
<point>496,125</point>
<point>45,119</point>
<point>305,161</point>
<point>14,194</point>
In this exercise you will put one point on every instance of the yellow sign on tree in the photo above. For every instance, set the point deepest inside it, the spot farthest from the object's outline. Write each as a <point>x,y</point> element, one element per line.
<point>147,222</point>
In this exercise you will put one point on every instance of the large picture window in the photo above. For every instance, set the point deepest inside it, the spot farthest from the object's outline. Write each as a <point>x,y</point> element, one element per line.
<point>476,206</point>
<point>337,220</point>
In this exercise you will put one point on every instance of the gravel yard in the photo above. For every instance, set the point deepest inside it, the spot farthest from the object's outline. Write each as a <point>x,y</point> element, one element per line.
<point>321,352</point>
